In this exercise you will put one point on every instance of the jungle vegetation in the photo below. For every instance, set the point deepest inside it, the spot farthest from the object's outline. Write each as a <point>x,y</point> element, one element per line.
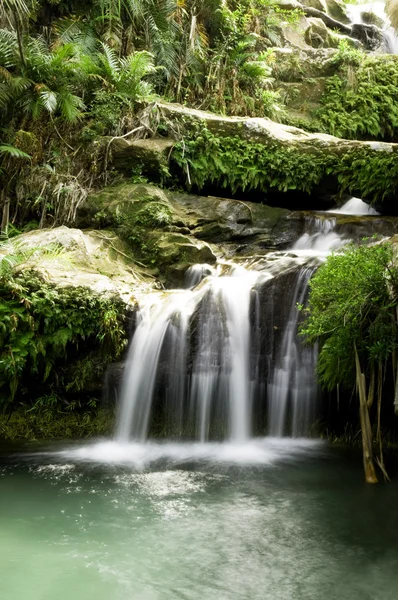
<point>352,313</point>
<point>73,72</point>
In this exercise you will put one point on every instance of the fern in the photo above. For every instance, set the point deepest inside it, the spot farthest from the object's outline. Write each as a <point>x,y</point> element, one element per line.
<point>13,152</point>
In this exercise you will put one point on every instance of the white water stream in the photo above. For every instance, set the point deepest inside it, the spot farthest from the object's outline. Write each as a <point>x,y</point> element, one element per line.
<point>204,359</point>
<point>355,12</point>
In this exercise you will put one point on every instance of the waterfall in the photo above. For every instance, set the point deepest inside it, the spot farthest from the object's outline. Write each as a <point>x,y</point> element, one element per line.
<point>207,367</point>
<point>320,238</point>
<point>204,361</point>
<point>355,206</point>
<point>143,362</point>
<point>355,12</point>
<point>293,379</point>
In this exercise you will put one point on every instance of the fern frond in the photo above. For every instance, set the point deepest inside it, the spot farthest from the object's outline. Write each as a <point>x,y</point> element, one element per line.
<point>8,150</point>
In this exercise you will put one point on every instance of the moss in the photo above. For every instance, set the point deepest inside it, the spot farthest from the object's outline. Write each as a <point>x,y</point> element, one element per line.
<point>360,101</point>
<point>38,425</point>
<point>239,165</point>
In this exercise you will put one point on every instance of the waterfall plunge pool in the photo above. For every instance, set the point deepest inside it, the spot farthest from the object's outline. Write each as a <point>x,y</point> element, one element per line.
<point>266,520</point>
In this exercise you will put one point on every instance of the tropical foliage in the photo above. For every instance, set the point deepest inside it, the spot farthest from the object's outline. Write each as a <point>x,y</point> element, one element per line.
<point>53,338</point>
<point>238,165</point>
<point>71,72</point>
<point>361,100</point>
<point>352,313</point>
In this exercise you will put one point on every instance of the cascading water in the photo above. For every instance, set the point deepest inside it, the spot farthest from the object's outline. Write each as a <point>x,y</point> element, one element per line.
<point>216,385</point>
<point>355,12</point>
<point>355,206</point>
<point>321,237</point>
<point>204,359</point>
<point>292,379</point>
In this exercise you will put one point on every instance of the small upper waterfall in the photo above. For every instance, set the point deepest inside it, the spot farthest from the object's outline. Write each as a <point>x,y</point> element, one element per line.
<point>320,237</point>
<point>355,206</point>
<point>204,361</point>
<point>356,11</point>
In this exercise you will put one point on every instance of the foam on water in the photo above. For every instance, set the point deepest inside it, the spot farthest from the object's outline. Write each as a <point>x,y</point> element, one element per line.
<point>355,206</point>
<point>258,451</point>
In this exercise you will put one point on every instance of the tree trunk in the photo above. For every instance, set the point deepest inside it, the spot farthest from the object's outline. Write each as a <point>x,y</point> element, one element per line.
<point>18,29</point>
<point>5,217</point>
<point>367,450</point>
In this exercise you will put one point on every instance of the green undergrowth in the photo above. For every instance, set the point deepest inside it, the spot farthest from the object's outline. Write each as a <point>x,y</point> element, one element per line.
<point>54,339</point>
<point>29,425</point>
<point>239,165</point>
<point>361,100</point>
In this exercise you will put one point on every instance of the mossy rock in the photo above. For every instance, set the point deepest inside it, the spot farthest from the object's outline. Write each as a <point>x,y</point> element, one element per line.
<point>68,257</point>
<point>317,34</point>
<point>148,156</point>
<point>370,18</point>
<point>294,64</point>
<point>337,10</point>
<point>333,8</point>
<point>258,155</point>
<point>205,218</point>
<point>177,252</point>
<point>156,229</point>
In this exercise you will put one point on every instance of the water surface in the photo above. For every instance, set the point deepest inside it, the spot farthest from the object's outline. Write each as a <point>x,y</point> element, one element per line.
<point>264,520</point>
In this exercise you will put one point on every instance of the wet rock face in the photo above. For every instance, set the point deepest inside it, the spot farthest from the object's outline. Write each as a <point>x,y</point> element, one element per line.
<point>112,384</point>
<point>370,35</point>
<point>180,230</point>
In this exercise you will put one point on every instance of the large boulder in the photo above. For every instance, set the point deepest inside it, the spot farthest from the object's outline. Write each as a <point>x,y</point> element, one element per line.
<point>68,257</point>
<point>257,155</point>
<point>171,231</point>
<point>156,231</point>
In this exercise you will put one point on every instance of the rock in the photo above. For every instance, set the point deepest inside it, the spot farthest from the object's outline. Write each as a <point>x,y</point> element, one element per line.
<point>176,253</point>
<point>295,64</point>
<point>317,34</point>
<point>313,163</point>
<point>333,8</point>
<point>370,35</point>
<point>370,18</point>
<point>157,231</point>
<point>70,257</point>
<point>337,10</point>
<point>147,155</point>
<point>317,4</point>
<point>222,221</point>
<point>339,25</point>
<point>293,34</point>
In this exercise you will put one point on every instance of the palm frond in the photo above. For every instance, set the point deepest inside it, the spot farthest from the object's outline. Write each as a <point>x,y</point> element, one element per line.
<point>110,60</point>
<point>12,151</point>
<point>21,7</point>
<point>49,100</point>
<point>70,106</point>
<point>8,48</point>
